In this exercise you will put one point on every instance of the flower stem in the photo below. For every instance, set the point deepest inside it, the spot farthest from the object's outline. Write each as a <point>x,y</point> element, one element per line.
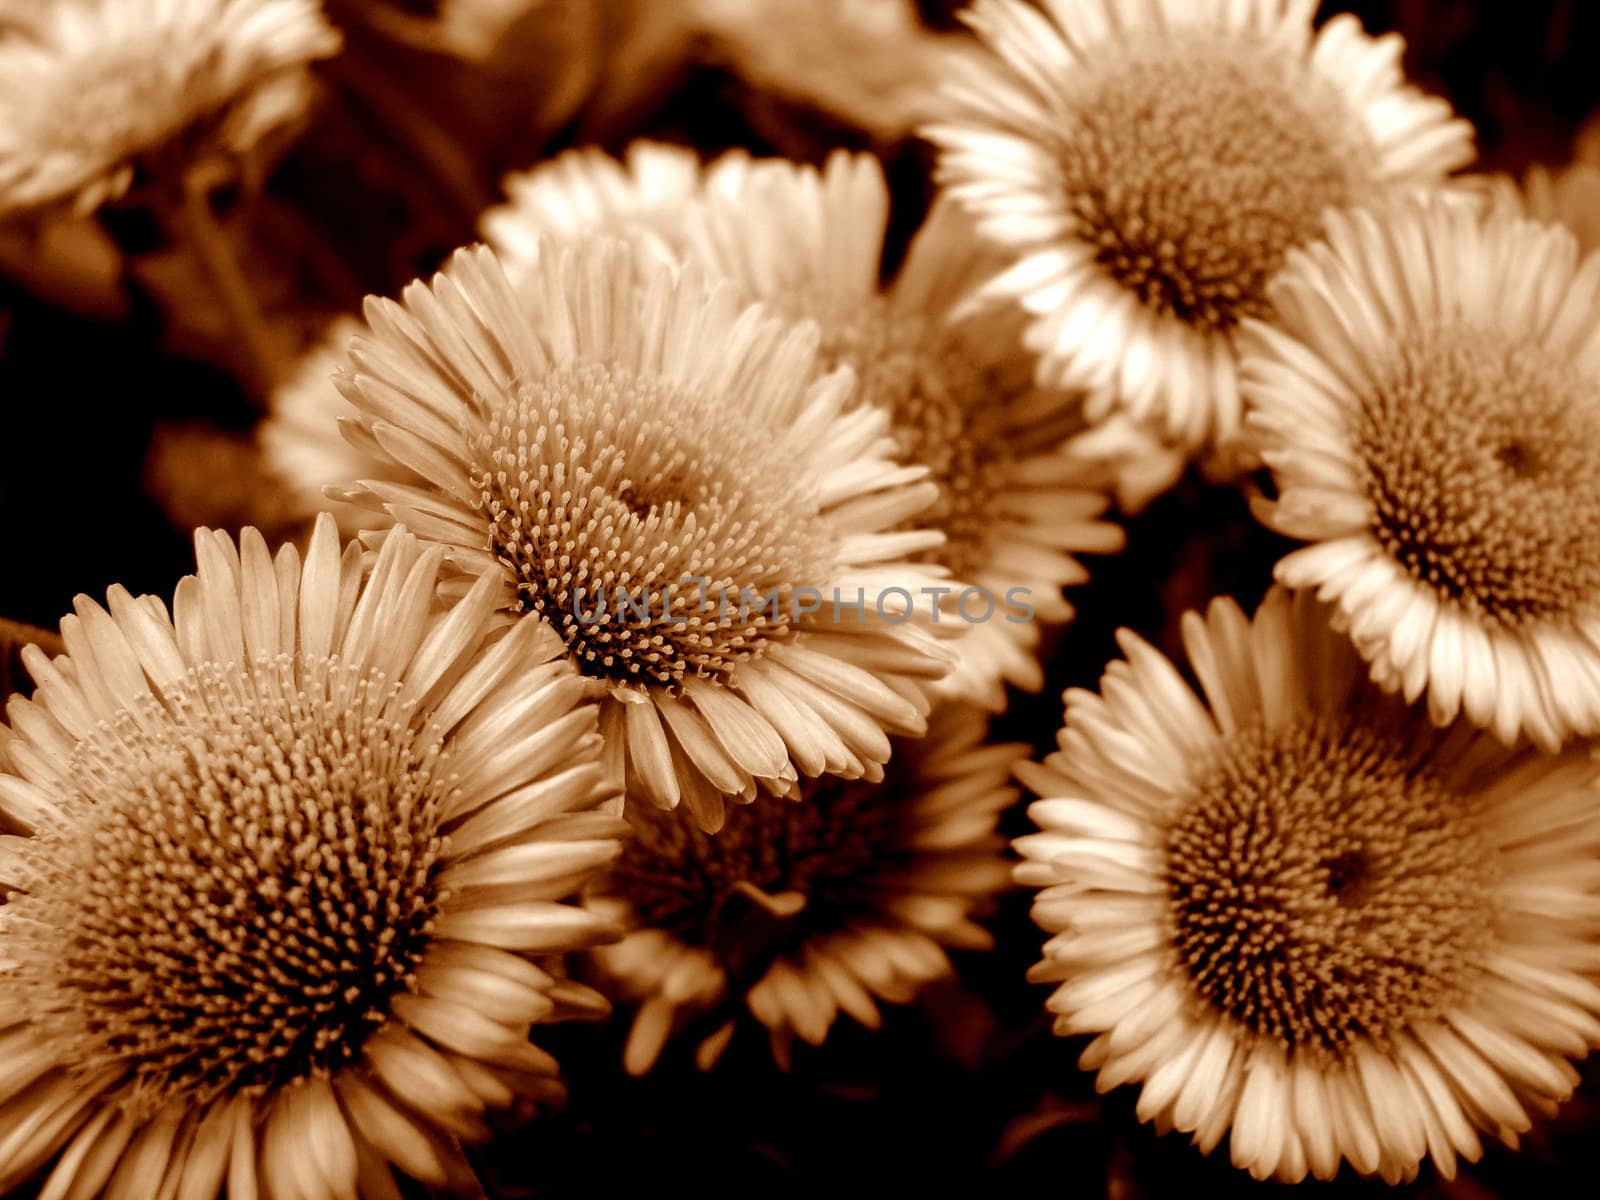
<point>206,238</point>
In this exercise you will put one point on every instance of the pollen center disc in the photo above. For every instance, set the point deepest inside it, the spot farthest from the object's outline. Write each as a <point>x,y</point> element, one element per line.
<point>653,529</point>
<point>250,878</point>
<point>1480,456</point>
<point>1326,889</point>
<point>1193,163</point>
<point>829,850</point>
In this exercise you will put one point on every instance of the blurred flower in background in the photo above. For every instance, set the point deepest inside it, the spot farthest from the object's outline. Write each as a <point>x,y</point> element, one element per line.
<point>587,192</point>
<point>300,440</point>
<point>92,90</point>
<point>1568,195</point>
<point>469,29</point>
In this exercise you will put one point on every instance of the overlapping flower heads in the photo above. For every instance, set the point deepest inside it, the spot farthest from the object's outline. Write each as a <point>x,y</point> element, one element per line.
<point>275,864</point>
<point>89,89</point>
<point>586,192</point>
<point>636,672</point>
<point>958,393</point>
<point>800,912</point>
<point>577,195</point>
<point>1302,917</point>
<point>1146,167</point>
<point>1567,195</point>
<point>656,470</point>
<point>300,440</point>
<point>1429,403</point>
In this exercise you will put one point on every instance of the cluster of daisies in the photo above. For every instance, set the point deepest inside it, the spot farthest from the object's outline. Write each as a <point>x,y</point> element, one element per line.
<point>628,659</point>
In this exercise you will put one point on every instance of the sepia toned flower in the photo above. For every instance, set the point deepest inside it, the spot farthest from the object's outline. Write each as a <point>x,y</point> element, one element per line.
<point>1568,195</point>
<point>577,194</point>
<point>1140,466</point>
<point>586,192</point>
<point>92,89</point>
<point>1145,168</point>
<point>275,865</point>
<point>957,389</point>
<point>655,469</point>
<point>1300,916</point>
<point>800,912</point>
<point>299,439</point>
<point>1428,406</point>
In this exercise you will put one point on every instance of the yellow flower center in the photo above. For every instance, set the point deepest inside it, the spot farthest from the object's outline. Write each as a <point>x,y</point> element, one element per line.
<point>1194,162</point>
<point>1480,452</point>
<point>245,879</point>
<point>1325,887</point>
<point>653,529</point>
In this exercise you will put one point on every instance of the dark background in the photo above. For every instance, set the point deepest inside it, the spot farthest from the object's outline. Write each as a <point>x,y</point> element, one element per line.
<point>967,1091</point>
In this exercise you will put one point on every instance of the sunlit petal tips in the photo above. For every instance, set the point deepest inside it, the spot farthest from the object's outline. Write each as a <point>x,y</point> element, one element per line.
<point>1299,915</point>
<point>90,90</point>
<point>300,441</point>
<point>956,385</point>
<point>657,471</point>
<point>801,912</point>
<point>579,194</point>
<point>586,191</point>
<point>1145,167</point>
<point>1570,196</point>
<point>272,864</point>
<point>1429,404</point>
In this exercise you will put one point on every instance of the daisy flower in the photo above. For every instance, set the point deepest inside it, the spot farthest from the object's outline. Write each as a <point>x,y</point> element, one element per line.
<point>800,912</point>
<point>299,439</point>
<point>586,191</point>
<point>1304,918</point>
<point>1568,196</point>
<point>1145,167</point>
<point>1428,405</point>
<point>579,193</point>
<point>1140,466</point>
<point>956,387</point>
<point>91,89</point>
<point>661,476</point>
<point>273,865</point>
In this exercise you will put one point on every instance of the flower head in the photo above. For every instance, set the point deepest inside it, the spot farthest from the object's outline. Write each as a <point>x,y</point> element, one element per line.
<point>658,473</point>
<point>1147,167</point>
<point>585,192</point>
<point>1303,917</point>
<point>300,441</point>
<point>802,911</point>
<point>274,864</point>
<point>956,388</point>
<point>579,194</point>
<point>93,88</point>
<point>1429,404</point>
<point>1140,466</point>
<point>1570,196</point>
